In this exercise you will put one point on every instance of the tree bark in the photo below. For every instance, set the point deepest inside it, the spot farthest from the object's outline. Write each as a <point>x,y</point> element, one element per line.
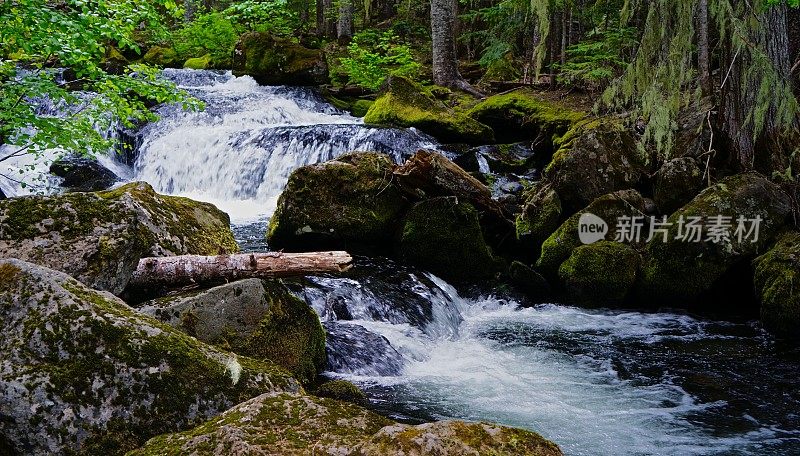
<point>703,59</point>
<point>445,59</point>
<point>344,27</point>
<point>738,92</point>
<point>179,271</point>
<point>320,17</point>
<point>329,27</point>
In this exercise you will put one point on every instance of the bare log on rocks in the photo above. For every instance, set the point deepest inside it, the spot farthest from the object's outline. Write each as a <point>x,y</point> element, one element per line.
<point>179,271</point>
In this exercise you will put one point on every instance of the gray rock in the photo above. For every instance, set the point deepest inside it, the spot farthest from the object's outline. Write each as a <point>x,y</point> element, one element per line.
<point>81,372</point>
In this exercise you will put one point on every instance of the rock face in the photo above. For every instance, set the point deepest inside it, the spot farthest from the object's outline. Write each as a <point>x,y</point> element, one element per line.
<point>443,235</point>
<point>344,203</point>
<point>82,372</point>
<point>278,61</point>
<point>595,158</point>
<point>405,103</point>
<point>521,115</point>
<point>255,318</point>
<point>677,182</point>
<point>776,275</point>
<point>540,217</point>
<point>560,245</point>
<point>290,424</point>
<point>678,271</point>
<point>600,274</point>
<point>99,237</point>
<point>83,174</point>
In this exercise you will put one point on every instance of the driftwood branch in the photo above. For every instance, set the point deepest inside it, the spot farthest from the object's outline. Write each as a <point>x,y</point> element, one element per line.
<point>179,271</point>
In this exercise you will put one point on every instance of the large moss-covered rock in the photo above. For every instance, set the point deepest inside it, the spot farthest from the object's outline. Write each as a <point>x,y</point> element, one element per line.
<point>198,63</point>
<point>162,56</point>
<point>99,237</point>
<point>290,424</point>
<point>278,61</point>
<point>521,115</point>
<point>341,390</point>
<point>678,271</point>
<point>677,182</point>
<point>81,372</point>
<point>405,103</point>
<point>777,281</point>
<point>344,203</point>
<point>443,235</point>
<point>260,319</point>
<point>559,246</point>
<point>595,157</point>
<point>600,274</point>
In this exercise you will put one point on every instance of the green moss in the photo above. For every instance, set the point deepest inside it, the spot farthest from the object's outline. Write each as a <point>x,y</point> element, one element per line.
<point>520,115</point>
<point>291,335</point>
<point>274,61</point>
<point>198,63</point>
<point>600,274</point>
<point>341,390</point>
<point>443,235</point>
<point>539,218</point>
<point>777,284</point>
<point>408,104</point>
<point>360,107</point>
<point>161,56</point>
<point>8,275</point>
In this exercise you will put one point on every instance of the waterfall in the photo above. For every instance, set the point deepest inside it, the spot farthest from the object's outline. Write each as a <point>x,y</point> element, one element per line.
<point>240,150</point>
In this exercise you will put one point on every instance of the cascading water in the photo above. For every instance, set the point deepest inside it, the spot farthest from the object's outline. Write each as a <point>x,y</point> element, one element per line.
<point>596,382</point>
<point>239,152</point>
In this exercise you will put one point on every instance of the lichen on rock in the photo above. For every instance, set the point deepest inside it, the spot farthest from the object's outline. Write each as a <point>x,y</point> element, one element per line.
<point>83,373</point>
<point>99,237</point>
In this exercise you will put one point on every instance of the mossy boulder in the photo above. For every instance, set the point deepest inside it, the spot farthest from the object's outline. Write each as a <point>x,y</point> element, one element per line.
<point>292,424</point>
<point>341,390</point>
<point>775,275</point>
<point>162,56</point>
<point>533,284</point>
<point>255,318</point>
<point>83,373</point>
<point>600,274</point>
<point>114,62</point>
<point>677,182</point>
<point>349,202</point>
<point>594,158</point>
<point>100,237</point>
<point>521,115</point>
<point>198,63</point>
<point>278,61</point>
<point>405,103</point>
<point>679,271</point>
<point>443,235</point>
<point>540,217</point>
<point>360,108</point>
<point>560,245</point>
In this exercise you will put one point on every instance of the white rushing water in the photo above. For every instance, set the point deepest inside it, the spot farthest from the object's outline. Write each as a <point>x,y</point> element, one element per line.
<point>238,153</point>
<point>596,382</point>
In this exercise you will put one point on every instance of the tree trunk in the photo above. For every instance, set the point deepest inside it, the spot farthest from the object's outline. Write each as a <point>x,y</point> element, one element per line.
<point>329,29</point>
<point>445,60</point>
<point>738,93</point>
<point>320,17</point>
<point>189,8</point>
<point>179,271</point>
<point>345,26</point>
<point>703,60</point>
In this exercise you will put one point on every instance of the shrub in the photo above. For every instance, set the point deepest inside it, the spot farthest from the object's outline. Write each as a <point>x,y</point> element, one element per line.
<point>374,55</point>
<point>212,34</point>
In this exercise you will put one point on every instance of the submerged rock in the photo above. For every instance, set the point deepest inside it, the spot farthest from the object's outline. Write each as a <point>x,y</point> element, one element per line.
<point>278,61</point>
<point>776,274</point>
<point>100,237</point>
<point>679,271</point>
<point>595,157</point>
<point>677,182</point>
<point>405,103</point>
<point>255,318</point>
<point>352,349</point>
<point>443,235</point>
<point>344,203</point>
<point>291,424</point>
<point>521,115</point>
<point>83,373</point>
<point>83,174</point>
<point>600,274</point>
<point>560,245</point>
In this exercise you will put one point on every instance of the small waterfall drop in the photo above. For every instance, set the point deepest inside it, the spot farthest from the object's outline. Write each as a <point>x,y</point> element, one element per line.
<point>239,152</point>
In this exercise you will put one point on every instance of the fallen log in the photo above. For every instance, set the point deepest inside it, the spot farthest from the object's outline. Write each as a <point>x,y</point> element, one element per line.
<point>180,271</point>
